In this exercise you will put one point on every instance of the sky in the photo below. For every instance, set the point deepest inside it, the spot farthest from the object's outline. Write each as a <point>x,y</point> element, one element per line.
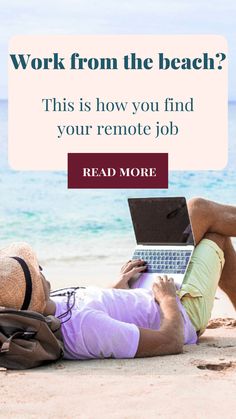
<point>18,17</point>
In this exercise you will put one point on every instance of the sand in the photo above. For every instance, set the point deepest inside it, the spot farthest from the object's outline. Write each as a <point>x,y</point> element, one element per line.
<point>200,383</point>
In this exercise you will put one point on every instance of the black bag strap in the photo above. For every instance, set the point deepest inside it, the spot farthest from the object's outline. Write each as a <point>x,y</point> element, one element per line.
<point>28,282</point>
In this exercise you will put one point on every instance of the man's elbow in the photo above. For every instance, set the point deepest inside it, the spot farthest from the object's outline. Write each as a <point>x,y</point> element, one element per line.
<point>172,346</point>
<point>177,343</point>
<point>177,347</point>
<point>174,343</point>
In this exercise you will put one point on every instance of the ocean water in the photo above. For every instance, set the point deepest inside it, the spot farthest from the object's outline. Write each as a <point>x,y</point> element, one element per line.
<point>79,225</point>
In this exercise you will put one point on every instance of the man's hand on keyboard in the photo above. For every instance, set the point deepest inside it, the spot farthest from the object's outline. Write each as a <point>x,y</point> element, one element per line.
<point>163,288</point>
<point>130,270</point>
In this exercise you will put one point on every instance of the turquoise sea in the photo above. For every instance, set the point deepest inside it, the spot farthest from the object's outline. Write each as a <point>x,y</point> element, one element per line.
<point>72,225</point>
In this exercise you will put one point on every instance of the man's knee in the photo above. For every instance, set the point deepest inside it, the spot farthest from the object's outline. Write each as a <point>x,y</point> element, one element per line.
<point>199,213</point>
<point>197,204</point>
<point>217,238</point>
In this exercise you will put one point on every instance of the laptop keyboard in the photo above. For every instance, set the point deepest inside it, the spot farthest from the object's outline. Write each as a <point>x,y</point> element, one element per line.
<point>164,261</point>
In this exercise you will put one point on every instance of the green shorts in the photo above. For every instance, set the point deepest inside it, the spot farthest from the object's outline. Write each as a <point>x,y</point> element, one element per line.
<point>200,283</point>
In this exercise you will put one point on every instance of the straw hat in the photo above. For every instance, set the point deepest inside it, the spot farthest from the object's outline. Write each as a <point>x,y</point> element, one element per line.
<point>13,279</point>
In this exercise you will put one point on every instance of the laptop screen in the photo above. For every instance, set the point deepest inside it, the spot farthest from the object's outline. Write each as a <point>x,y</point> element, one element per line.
<point>161,221</point>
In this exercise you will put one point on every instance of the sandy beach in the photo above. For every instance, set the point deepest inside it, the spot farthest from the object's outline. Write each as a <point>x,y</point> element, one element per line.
<point>200,383</point>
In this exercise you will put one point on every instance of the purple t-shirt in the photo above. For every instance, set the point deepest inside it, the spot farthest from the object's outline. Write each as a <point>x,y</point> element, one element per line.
<point>105,323</point>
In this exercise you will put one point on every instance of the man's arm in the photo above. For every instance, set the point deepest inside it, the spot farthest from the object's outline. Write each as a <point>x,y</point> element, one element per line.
<point>169,339</point>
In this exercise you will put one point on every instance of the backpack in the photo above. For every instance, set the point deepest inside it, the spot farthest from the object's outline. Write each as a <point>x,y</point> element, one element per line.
<point>28,339</point>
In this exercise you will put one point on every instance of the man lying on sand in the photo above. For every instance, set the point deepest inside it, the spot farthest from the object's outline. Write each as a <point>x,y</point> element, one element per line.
<point>127,323</point>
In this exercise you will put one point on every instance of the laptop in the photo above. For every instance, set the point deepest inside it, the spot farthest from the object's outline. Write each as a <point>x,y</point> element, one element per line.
<point>164,238</point>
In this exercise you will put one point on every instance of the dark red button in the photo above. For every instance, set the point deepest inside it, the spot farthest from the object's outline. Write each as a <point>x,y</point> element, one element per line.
<point>117,170</point>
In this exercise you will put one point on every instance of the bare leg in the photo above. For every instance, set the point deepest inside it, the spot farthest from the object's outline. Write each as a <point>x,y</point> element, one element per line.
<point>228,278</point>
<point>211,217</point>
